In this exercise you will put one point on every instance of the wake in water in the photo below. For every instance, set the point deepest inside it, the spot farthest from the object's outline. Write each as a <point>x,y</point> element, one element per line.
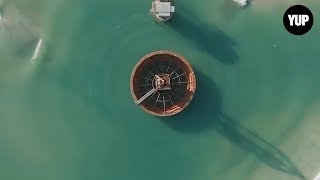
<point>21,42</point>
<point>36,51</point>
<point>20,35</point>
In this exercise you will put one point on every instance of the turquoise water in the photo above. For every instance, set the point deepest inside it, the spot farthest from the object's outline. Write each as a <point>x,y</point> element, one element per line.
<point>69,113</point>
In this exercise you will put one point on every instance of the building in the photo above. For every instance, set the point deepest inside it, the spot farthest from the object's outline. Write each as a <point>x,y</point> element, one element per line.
<point>162,9</point>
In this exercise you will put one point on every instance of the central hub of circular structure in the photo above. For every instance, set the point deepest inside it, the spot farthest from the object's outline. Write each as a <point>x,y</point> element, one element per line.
<point>163,83</point>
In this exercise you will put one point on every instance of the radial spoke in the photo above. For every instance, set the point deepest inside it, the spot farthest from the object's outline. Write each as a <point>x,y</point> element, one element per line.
<point>150,73</point>
<point>170,99</point>
<point>157,99</point>
<point>146,78</point>
<point>179,75</point>
<point>174,70</point>
<point>144,84</point>
<point>176,95</point>
<point>155,69</point>
<point>181,82</point>
<point>168,67</point>
<point>164,104</point>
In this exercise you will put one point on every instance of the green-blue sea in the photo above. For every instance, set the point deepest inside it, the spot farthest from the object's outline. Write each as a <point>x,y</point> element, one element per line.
<point>66,112</point>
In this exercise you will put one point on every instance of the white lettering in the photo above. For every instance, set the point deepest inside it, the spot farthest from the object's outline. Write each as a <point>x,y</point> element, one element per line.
<point>291,19</point>
<point>305,18</point>
<point>298,20</point>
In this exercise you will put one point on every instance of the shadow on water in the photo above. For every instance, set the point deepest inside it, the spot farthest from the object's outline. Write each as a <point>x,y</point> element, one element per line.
<point>206,37</point>
<point>207,105</point>
<point>253,143</point>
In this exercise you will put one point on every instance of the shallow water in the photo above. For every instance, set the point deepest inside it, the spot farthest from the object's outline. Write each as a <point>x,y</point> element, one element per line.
<point>69,113</point>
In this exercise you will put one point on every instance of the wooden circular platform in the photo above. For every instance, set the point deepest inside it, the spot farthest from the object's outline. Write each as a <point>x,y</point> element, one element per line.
<point>163,83</point>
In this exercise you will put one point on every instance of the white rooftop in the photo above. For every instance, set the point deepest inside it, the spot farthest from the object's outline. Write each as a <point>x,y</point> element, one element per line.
<point>167,14</point>
<point>164,7</point>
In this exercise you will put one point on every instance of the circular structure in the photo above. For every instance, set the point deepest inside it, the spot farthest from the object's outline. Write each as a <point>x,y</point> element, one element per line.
<point>163,83</point>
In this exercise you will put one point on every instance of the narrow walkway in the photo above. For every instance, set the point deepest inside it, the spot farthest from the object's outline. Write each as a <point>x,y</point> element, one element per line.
<point>145,96</point>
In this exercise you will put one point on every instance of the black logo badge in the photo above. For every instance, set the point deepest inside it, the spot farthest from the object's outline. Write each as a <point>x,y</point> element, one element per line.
<point>298,20</point>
